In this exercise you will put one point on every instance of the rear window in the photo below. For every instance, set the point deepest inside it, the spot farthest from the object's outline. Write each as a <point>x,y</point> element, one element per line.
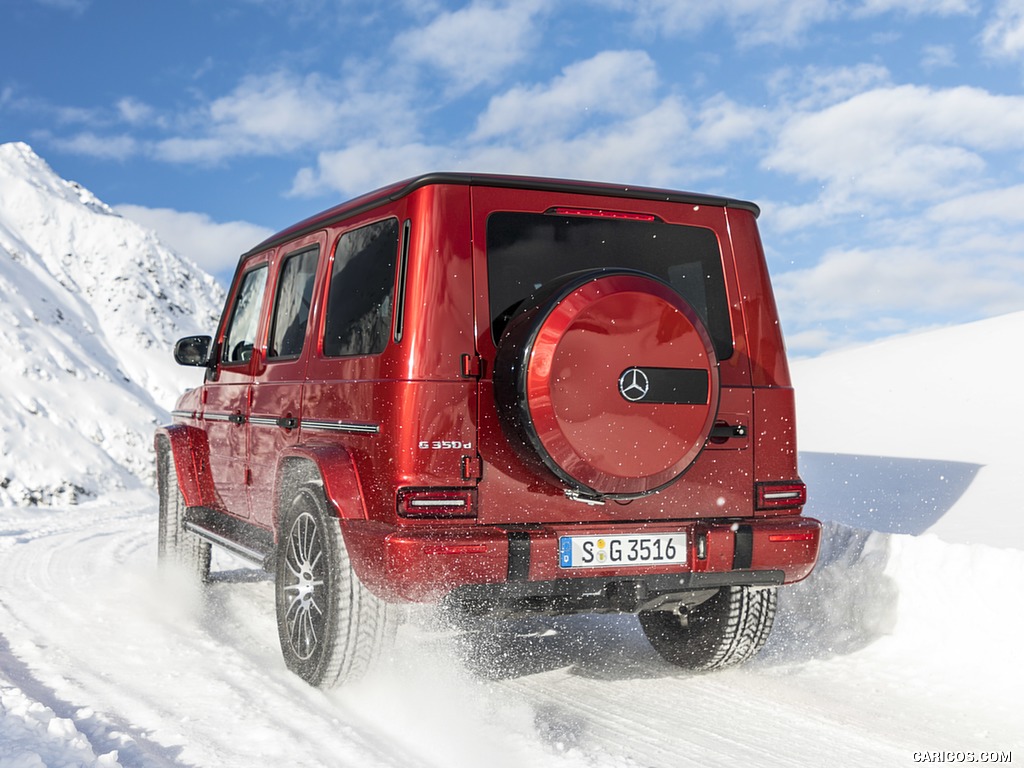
<point>526,251</point>
<point>362,291</point>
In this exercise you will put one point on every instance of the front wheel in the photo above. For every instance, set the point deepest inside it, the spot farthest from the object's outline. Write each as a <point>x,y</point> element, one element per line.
<point>332,628</point>
<point>175,545</point>
<point>728,629</point>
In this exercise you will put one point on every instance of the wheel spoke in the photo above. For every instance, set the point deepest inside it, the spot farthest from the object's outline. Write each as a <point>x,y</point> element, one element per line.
<point>304,585</point>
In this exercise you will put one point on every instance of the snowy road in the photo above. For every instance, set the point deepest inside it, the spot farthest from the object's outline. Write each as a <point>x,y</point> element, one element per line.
<point>897,645</point>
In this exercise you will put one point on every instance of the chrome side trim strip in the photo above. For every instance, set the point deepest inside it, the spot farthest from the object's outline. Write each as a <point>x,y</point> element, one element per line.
<point>342,426</point>
<point>207,416</point>
<point>264,421</point>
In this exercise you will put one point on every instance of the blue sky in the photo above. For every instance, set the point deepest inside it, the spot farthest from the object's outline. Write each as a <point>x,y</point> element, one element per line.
<point>882,138</point>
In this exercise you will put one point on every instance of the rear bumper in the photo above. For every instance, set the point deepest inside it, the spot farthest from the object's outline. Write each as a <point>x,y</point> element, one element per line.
<point>428,563</point>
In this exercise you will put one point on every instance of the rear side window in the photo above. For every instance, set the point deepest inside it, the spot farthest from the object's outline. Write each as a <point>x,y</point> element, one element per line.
<point>240,336</point>
<point>291,310</point>
<point>526,251</point>
<point>362,290</point>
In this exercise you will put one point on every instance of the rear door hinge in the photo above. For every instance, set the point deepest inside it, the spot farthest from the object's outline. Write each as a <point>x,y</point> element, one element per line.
<point>472,366</point>
<point>472,467</point>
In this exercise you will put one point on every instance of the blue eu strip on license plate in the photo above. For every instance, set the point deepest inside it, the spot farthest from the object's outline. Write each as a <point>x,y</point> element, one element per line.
<point>621,550</point>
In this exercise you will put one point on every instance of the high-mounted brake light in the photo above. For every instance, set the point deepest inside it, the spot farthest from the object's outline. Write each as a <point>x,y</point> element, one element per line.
<point>601,213</point>
<point>782,495</point>
<point>434,502</point>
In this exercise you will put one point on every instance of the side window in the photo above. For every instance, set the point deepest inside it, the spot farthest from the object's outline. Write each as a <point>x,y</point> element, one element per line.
<point>362,290</point>
<point>240,337</point>
<point>291,310</point>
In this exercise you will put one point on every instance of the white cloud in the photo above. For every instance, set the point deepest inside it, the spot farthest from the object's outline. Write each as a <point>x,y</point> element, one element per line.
<point>215,246</point>
<point>1004,205</point>
<point>602,118</point>
<point>366,165</point>
<point>723,122</point>
<point>772,22</point>
<point>754,22</point>
<point>917,7</point>
<point>283,112</point>
<point>814,87</point>
<point>1003,36</point>
<point>938,57</point>
<point>135,112</point>
<point>657,146</point>
<point>118,147</point>
<point>894,146</point>
<point>75,6</point>
<point>956,261</point>
<point>918,284</point>
<point>611,83</point>
<point>474,45</point>
<point>279,112</point>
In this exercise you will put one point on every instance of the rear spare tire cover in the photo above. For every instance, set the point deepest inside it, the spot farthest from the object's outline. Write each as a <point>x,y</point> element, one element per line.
<point>608,380</point>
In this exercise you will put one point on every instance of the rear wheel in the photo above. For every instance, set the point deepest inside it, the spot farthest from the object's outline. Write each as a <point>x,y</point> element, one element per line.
<point>332,628</point>
<point>728,629</point>
<point>176,546</point>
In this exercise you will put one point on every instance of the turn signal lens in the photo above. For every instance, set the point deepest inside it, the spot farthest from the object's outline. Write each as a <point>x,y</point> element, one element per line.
<point>435,502</point>
<point>782,495</point>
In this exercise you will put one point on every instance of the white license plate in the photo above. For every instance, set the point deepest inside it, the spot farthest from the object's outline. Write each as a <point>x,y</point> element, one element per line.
<point>621,550</point>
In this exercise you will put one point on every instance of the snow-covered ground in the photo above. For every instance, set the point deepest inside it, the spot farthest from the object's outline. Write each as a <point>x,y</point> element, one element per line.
<point>903,641</point>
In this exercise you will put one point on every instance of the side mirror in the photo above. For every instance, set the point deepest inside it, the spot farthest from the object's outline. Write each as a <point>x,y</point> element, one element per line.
<point>193,350</point>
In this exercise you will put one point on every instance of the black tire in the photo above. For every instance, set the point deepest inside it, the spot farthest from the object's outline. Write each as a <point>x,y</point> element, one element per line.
<point>333,630</point>
<point>726,630</point>
<point>177,547</point>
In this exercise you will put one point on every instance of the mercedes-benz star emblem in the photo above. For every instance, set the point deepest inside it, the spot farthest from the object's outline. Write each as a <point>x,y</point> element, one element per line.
<point>634,384</point>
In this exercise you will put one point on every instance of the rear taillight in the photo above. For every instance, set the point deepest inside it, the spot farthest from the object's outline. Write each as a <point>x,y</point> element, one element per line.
<point>437,502</point>
<point>781,495</point>
<point>779,538</point>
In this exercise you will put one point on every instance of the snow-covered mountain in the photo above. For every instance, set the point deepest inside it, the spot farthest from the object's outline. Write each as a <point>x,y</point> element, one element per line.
<point>90,306</point>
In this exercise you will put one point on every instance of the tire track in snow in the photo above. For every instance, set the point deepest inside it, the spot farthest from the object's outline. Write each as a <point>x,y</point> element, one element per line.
<point>159,678</point>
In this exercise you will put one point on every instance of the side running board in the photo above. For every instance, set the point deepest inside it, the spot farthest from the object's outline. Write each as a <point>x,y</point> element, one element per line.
<point>248,541</point>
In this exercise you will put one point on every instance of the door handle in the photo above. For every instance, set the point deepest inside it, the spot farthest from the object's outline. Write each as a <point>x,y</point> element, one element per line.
<point>236,418</point>
<point>723,431</point>
<point>288,422</point>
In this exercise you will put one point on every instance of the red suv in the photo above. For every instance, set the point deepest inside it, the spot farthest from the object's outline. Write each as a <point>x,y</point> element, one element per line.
<point>507,395</point>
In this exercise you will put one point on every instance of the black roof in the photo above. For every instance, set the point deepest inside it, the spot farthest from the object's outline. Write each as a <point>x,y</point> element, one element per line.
<point>402,188</point>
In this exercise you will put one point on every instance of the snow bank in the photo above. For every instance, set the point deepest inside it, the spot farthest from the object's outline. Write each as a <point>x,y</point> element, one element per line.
<point>32,736</point>
<point>918,434</point>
